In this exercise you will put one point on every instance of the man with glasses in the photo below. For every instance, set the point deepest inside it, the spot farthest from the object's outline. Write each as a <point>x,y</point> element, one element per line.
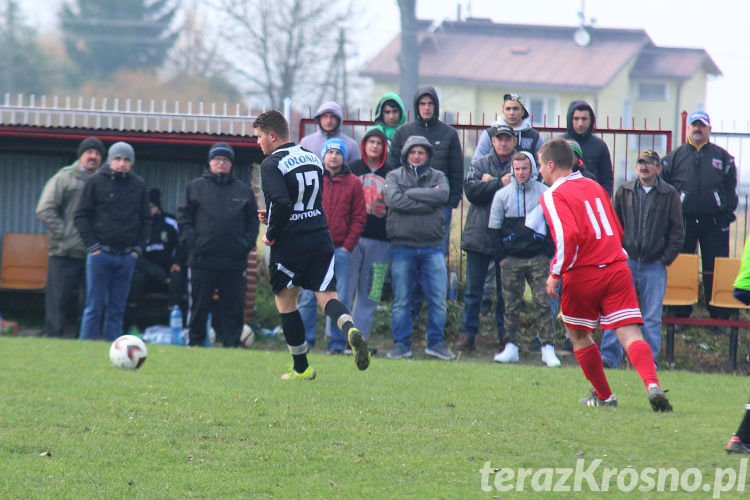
<point>651,216</point>
<point>218,219</point>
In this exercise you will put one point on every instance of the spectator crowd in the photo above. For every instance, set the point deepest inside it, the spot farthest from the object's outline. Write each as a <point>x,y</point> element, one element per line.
<point>388,203</point>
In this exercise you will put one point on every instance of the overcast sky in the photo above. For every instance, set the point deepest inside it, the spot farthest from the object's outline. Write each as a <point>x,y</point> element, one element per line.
<point>719,26</point>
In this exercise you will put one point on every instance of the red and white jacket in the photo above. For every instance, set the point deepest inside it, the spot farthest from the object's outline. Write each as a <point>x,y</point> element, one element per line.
<point>583,223</point>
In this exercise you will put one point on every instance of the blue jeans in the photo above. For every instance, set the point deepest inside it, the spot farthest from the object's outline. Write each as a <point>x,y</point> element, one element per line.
<point>308,304</point>
<point>427,266</point>
<point>650,280</point>
<point>476,271</point>
<point>417,298</point>
<point>107,287</point>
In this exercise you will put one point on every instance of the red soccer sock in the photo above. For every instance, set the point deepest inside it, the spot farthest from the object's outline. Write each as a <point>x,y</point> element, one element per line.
<point>590,360</point>
<point>642,360</point>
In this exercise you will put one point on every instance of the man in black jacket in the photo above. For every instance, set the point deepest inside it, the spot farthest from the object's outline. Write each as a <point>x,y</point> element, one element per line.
<point>486,176</point>
<point>580,125</point>
<point>706,178</point>
<point>113,220</point>
<point>651,217</point>
<point>219,225</point>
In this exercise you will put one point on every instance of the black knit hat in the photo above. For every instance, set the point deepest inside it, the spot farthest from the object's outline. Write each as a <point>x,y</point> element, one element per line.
<point>221,149</point>
<point>91,143</point>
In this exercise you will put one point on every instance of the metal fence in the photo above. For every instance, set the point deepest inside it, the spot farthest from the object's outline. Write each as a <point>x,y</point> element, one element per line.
<point>625,140</point>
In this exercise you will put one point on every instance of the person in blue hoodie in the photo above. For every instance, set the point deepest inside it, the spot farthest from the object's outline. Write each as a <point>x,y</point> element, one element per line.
<point>516,116</point>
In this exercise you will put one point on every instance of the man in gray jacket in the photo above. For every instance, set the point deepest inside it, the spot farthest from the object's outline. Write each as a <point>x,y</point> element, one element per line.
<point>67,253</point>
<point>415,194</point>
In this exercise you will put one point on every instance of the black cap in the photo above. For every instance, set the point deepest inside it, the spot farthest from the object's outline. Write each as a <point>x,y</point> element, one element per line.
<point>502,130</point>
<point>91,143</point>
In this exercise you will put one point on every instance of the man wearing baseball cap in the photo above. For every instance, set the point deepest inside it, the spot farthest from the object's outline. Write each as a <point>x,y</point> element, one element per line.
<point>650,212</point>
<point>706,178</point>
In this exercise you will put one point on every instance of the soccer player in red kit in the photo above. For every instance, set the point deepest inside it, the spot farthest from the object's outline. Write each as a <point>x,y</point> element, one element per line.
<point>597,285</point>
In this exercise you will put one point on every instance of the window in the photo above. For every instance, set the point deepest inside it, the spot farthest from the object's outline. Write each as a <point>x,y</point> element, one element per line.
<point>652,91</point>
<point>541,107</point>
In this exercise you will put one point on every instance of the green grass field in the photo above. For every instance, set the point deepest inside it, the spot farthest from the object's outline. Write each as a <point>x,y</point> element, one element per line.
<point>215,423</point>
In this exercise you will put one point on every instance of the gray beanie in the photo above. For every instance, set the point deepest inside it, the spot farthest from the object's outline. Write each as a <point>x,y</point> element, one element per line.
<point>121,149</point>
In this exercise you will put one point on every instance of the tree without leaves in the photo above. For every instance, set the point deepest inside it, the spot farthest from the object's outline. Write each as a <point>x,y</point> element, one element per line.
<point>103,36</point>
<point>282,48</point>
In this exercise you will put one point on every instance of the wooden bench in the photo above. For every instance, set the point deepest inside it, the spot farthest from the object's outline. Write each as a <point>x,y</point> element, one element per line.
<point>682,289</point>
<point>23,264</point>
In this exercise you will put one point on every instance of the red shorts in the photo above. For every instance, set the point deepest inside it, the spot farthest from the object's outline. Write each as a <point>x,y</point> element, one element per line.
<point>599,294</point>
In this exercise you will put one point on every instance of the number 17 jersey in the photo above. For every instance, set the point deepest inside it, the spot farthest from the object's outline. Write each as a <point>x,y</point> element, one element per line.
<point>292,180</point>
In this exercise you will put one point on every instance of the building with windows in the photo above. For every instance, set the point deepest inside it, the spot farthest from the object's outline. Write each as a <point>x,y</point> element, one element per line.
<point>620,72</point>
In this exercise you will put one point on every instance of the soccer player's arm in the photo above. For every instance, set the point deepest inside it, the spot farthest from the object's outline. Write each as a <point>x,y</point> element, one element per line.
<point>275,189</point>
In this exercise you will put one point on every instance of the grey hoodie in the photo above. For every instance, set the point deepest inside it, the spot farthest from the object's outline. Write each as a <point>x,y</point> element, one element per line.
<point>415,197</point>
<point>314,142</point>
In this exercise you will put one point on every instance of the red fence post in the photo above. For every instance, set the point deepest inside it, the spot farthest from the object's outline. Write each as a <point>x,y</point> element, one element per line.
<point>683,127</point>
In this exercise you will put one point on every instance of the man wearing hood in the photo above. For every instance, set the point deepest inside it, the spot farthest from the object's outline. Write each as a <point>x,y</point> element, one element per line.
<point>580,125</point>
<point>390,114</point>
<point>113,219</point>
<point>372,255</point>
<point>219,225</point>
<point>67,253</point>
<point>415,195</point>
<point>329,118</point>
<point>516,116</point>
<point>485,177</point>
<point>344,206</point>
<point>524,255</point>
<point>446,148</point>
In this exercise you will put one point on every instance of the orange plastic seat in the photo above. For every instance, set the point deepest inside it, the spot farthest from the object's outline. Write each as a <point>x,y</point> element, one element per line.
<point>682,281</point>
<point>725,272</point>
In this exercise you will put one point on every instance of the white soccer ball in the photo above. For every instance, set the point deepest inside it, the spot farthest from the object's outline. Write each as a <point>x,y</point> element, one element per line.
<point>128,352</point>
<point>248,336</point>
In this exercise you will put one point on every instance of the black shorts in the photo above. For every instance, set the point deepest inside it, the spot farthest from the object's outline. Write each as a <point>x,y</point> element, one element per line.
<point>314,273</point>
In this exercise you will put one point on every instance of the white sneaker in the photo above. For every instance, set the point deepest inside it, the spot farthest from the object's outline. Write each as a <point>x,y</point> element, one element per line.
<point>509,354</point>
<point>548,356</point>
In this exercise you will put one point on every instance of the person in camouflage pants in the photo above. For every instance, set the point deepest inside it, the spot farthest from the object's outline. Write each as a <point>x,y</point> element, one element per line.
<point>523,248</point>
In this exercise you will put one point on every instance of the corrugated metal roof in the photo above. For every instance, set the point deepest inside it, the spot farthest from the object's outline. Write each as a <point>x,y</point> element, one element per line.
<point>127,115</point>
<point>480,52</point>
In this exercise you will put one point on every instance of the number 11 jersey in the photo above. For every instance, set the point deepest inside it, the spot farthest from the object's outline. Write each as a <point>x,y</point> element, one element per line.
<point>292,180</point>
